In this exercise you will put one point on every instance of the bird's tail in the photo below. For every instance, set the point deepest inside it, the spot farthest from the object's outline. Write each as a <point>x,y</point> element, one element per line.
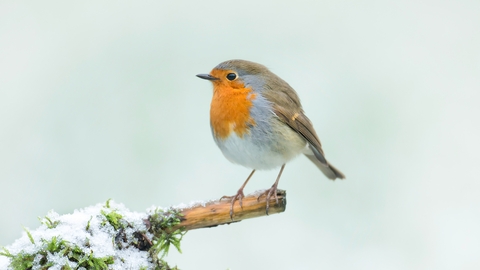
<point>328,169</point>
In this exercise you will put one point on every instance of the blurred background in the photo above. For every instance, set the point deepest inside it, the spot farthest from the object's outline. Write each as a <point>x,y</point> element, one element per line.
<point>100,100</point>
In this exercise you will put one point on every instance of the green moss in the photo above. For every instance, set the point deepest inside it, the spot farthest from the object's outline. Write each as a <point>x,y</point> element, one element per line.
<point>88,224</point>
<point>161,222</point>
<point>57,246</point>
<point>22,261</point>
<point>48,222</point>
<point>6,253</point>
<point>107,203</point>
<point>29,235</point>
<point>91,262</point>
<point>113,218</point>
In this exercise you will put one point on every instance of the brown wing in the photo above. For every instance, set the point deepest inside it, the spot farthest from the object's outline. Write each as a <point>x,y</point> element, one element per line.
<point>301,124</point>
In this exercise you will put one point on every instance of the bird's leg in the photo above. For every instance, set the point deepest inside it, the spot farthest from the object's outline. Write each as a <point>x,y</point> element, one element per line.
<point>239,196</point>
<point>272,190</point>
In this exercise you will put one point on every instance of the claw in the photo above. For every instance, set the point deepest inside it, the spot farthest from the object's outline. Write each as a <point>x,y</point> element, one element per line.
<point>239,196</point>
<point>273,190</point>
<point>268,193</point>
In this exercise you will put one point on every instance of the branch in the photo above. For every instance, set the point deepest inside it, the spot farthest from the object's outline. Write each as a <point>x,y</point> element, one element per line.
<point>109,236</point>
<point>217,212</point>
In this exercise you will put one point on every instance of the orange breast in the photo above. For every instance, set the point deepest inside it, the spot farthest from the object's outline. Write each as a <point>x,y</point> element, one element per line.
<point>230,110</point>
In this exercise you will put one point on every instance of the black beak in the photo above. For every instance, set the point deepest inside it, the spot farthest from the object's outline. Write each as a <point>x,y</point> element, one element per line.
<point>207,77</point>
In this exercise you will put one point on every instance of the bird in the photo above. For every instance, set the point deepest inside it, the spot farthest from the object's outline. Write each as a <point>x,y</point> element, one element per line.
<point>257,121</point>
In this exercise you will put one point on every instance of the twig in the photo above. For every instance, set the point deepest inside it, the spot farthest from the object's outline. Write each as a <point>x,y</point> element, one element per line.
<point>217,212</point>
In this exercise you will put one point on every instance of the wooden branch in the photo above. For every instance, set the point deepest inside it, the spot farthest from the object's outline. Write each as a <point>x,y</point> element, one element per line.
<point>131,234</point>
<point>217,212</point>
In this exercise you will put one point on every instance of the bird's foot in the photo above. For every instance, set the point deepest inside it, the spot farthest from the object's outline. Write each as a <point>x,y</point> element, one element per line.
<point>239,196</point>
<point>268,194</point>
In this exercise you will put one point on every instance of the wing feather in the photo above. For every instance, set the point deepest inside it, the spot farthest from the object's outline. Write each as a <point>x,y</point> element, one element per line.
<point>299,122</point>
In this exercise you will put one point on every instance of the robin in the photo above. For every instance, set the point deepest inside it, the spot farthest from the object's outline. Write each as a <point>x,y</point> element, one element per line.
<point>257,121</point>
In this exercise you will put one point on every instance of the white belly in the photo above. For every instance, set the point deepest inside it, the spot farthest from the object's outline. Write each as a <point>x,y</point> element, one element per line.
<point>258,149</point>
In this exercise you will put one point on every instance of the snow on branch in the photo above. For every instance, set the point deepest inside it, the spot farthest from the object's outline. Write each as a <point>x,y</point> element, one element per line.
<point>109,236</point>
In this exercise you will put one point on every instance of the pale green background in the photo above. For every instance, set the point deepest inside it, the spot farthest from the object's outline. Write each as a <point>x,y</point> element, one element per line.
<point>99,100</point>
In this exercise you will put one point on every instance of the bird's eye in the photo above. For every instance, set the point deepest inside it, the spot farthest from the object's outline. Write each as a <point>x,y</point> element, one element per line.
<point>231,76</point>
